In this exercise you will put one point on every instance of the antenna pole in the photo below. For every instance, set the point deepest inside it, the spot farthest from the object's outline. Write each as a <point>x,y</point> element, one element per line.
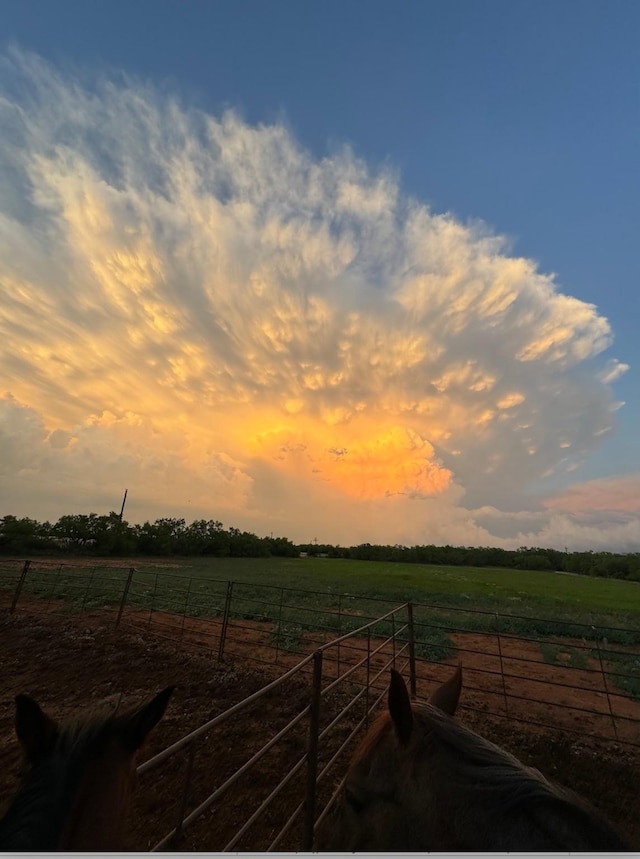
<point>124,501</point>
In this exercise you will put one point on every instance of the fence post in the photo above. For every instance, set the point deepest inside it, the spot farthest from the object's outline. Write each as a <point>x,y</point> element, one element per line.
<point>339,629</point>
<point>23,576</point>
<point>225,621</point>
<point>125,593</point>
<point>412,651</point>
<point>312,753</point>
<point>55,584</point>
<point>153,600</point>
<point>368,687</point>
<point>504,685</point>
<point>605,684</point>
<point>87,589</point>
<point>177,834</point>
<point>393,638</point>
<point>279,624</point>
<point>186,610</point>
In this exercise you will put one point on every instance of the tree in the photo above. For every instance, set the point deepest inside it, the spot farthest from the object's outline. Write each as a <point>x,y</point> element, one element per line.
<point>21,535</point>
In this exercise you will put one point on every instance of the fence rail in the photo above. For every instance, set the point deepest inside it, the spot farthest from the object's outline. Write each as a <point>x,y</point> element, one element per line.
<point>309,759</point>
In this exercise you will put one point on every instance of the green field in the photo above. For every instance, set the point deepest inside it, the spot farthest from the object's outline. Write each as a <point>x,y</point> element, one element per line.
<point>526,602</point>
<point>509,593</point>
<point>463,586</point>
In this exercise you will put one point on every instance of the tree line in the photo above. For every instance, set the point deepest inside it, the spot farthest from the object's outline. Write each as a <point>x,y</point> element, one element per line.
<point>110,536</point>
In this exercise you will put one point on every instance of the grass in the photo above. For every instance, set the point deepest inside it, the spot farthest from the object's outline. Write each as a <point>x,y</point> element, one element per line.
<point>517,597</point>
<point>435,647</point>
<point>623,671</point>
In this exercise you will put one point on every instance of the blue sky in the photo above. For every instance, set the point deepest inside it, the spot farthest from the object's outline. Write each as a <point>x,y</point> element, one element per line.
<point>522,115</point>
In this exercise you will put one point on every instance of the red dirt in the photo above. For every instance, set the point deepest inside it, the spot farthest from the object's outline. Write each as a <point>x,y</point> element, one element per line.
<point>71,662</point>
<point>576,700</point>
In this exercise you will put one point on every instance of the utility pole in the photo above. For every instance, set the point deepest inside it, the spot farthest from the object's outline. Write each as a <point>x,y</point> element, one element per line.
<point>124,501</point>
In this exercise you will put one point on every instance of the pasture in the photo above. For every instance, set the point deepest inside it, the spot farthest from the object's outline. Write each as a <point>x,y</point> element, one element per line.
<point>580,599</point>
<point>335,595</point>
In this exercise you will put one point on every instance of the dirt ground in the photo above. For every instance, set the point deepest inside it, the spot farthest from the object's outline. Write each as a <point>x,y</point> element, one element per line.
<point>506,678</point>
<point>68,663</point>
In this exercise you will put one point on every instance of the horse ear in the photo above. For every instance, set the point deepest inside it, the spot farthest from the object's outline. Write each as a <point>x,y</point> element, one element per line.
<point>400,707</point>
<point>136,726</point>
<point>35,730</point>
<point>447,695</point>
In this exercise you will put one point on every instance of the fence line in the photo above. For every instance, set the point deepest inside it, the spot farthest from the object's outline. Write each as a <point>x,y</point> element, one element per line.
<point>281,620</point>
<point>340,597</point>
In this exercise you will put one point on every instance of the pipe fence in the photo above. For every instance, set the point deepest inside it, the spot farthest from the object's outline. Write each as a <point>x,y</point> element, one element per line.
<point>308,762</point>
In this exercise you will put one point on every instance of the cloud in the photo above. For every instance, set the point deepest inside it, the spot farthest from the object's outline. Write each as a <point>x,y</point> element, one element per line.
<point>203,311</point>
<point>598,529</point>
<point>620,493</point>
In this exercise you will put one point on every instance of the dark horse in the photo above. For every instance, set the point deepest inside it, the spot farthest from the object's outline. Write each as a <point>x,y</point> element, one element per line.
<point>79,777</point>
<point>422,782</point>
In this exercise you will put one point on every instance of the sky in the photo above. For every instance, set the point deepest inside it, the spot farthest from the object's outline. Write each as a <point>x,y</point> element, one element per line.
<point>337,271</point>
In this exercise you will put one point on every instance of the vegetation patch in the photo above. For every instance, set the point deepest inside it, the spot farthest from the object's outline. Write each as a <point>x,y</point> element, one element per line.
<point>287,636</point>
<point>555,654</point>
<point>435,646</point>
<point>623,672</point>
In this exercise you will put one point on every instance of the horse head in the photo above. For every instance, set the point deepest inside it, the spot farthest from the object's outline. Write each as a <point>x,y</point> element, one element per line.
<point>382,776</point>
<point>422,782</point>
<point>78,779</point>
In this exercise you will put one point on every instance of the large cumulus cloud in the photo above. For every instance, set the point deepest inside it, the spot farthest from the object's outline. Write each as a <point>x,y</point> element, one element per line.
<point>203,308</point>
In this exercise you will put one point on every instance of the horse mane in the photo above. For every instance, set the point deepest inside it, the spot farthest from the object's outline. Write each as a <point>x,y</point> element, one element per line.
<point>483,776</point>
<point>475,765</point>
<point>36,817</point>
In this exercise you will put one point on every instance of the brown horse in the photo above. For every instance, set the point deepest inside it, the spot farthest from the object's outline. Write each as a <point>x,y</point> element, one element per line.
<point>79,777</point>
<point>422,782</point>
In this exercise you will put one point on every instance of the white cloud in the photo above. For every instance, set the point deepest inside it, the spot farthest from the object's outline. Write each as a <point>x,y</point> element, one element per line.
<point>192,306</point>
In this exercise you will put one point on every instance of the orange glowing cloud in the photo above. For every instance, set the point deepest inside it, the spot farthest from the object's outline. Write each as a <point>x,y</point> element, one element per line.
<point>394,462</point>
<point>361,464</point>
